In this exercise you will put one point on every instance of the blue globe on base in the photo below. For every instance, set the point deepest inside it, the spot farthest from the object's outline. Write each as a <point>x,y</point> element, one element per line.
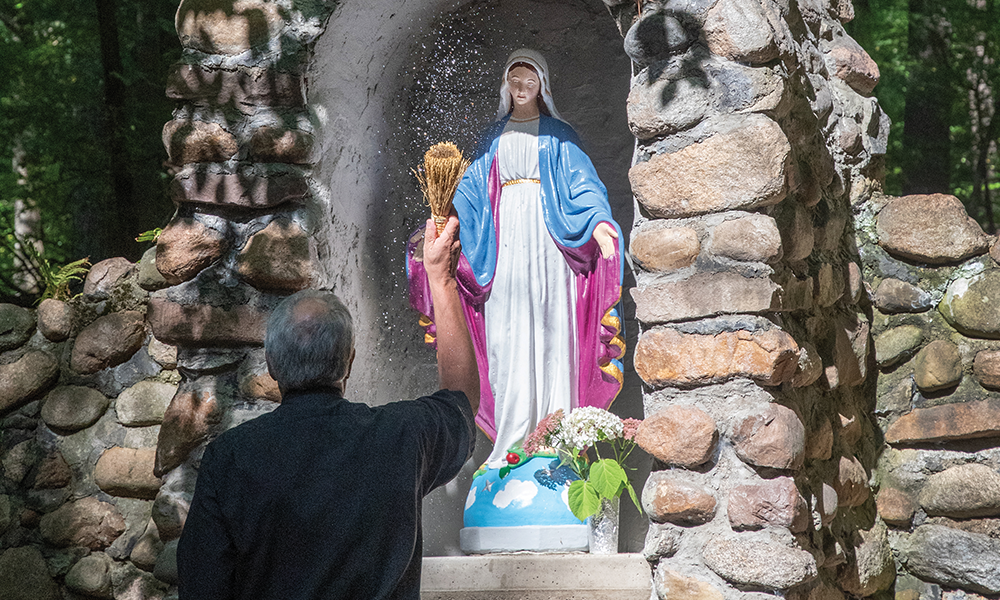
<point>527,510</point>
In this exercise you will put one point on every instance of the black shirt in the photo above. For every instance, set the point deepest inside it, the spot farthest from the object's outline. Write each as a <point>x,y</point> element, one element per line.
<point>321,499</point>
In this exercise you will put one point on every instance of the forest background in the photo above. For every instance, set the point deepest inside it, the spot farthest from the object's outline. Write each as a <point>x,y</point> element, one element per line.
<point>82,105</point>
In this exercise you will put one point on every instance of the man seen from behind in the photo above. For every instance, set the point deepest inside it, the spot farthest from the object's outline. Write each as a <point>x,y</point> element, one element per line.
<point>321,498</point>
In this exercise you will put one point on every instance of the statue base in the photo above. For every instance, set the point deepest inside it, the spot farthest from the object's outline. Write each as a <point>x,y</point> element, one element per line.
<point>525,510</point>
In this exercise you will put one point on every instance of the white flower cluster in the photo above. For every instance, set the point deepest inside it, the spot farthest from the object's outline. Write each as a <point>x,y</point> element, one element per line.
<point>585,425</point>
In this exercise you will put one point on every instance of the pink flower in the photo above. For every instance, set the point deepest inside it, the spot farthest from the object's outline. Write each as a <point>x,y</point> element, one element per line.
<point>631,427</point>
<point>539,438</point>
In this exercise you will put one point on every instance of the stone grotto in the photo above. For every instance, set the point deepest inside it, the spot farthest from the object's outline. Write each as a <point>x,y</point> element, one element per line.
<point>817,363</point>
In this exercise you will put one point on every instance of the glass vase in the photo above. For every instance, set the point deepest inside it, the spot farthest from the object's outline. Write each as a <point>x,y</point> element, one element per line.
<point>603,533</point>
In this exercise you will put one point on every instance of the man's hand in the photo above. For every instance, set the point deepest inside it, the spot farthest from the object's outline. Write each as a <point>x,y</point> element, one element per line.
<point>441,252</point>
<point>606,235</point>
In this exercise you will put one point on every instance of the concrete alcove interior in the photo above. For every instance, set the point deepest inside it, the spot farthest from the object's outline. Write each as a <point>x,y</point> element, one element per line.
<point>387,82</point>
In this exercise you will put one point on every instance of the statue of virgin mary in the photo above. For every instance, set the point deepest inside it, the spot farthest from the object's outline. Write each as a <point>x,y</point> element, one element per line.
<point>541,266</point>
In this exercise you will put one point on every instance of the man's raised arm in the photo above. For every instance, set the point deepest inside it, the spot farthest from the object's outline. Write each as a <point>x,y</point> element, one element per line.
<point>457,368</point>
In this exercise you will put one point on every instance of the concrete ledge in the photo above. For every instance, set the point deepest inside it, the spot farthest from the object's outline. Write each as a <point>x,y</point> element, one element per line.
<point>526,576</point>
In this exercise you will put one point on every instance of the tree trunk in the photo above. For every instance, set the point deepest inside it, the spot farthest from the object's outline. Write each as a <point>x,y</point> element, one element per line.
<point>930,96</point>
<point>116,219</point>
<point>27,229</point>
<point>985,141</point>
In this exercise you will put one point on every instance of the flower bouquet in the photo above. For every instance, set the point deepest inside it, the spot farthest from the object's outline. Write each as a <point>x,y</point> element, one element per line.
<point>571,437</point>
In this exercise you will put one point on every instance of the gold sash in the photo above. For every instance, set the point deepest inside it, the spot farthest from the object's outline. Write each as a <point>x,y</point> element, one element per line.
<point>517,181</point>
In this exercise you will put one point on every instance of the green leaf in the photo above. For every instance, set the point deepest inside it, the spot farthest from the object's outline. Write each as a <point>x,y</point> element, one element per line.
<point>583,499</point>
<point>608,478</point>
<point>149,236</point>
<point>635,499</point>
<point>504,471</point>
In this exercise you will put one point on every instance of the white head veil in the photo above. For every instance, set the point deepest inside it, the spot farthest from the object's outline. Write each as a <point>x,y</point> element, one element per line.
<point>534,59</point>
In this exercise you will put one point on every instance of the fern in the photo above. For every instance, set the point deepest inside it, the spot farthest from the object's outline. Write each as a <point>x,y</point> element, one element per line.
<point>57,280</point>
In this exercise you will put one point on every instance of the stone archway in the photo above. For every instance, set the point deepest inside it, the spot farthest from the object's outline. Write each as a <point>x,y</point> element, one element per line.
<point>757,137</point>
<point>435,79</point>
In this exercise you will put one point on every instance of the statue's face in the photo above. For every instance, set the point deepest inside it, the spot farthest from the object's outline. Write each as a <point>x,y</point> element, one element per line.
<point>524,86</point>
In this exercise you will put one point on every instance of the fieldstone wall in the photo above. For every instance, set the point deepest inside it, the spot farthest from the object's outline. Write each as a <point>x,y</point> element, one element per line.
<point>85,394</point>
<point>756,136</point>
<point>934,279</point>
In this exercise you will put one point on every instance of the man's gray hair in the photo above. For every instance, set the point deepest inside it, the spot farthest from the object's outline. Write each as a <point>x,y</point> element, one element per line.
<point>309,341</point>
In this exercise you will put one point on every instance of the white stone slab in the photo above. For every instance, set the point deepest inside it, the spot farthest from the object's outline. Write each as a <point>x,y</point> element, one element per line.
<point>529,576</point>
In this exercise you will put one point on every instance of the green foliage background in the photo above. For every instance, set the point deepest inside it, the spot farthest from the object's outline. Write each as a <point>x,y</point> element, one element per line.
<point>941,54</point>
<point>57,128</point>
<point>880,27</point>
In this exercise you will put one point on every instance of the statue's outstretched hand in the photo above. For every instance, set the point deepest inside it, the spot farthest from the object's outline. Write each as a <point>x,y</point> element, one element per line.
<point>606,235</point>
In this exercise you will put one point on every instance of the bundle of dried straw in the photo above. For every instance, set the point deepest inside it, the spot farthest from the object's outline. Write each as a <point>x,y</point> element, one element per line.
<point>439,176</point>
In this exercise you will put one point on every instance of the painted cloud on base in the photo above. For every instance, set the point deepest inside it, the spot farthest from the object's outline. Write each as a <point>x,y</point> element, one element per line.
<point>522,492</point>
